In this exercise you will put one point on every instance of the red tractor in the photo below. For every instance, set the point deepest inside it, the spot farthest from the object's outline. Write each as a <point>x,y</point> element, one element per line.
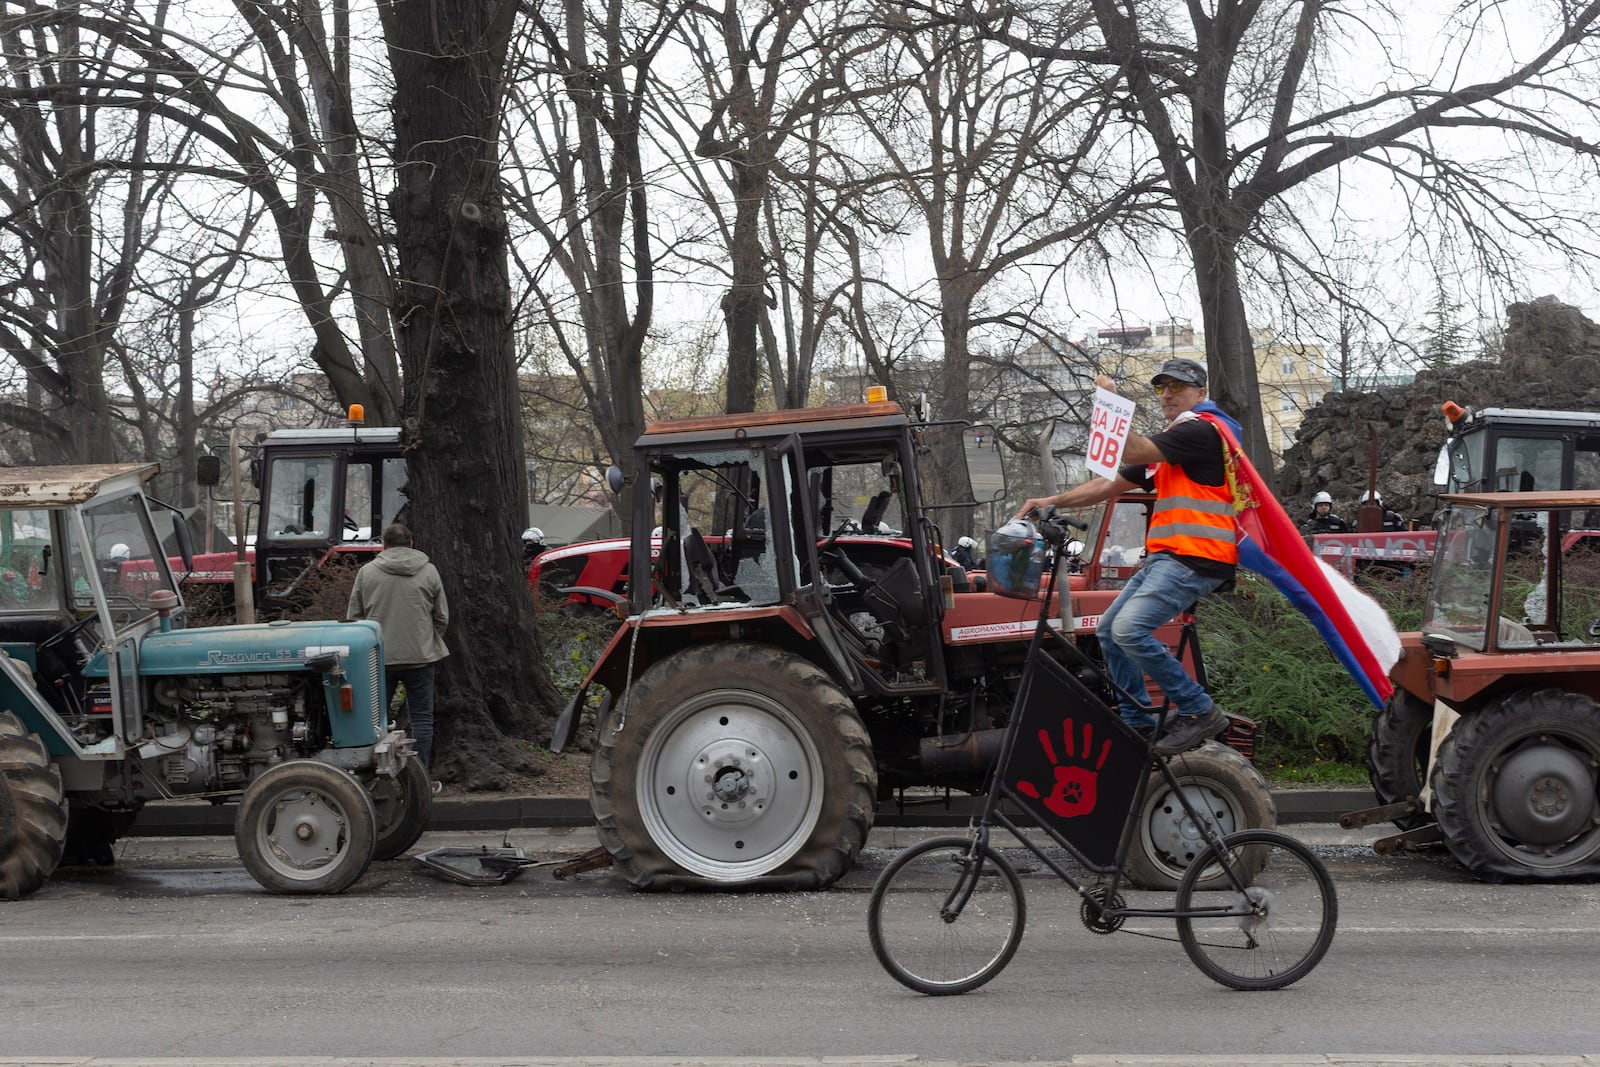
<point>1491,742</point>
<point>805,649</point>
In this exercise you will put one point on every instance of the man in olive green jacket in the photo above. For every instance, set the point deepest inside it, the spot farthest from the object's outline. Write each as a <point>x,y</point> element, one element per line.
<point>400,590</point>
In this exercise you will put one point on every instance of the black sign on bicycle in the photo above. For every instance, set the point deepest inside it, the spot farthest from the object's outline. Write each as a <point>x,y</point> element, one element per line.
<point>1074,766</point>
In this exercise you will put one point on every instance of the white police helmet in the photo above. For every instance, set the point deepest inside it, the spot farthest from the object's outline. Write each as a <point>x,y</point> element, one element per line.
<point>120,551</point>
<point>966,542</point>
<point>1322,498</point>
<point>534,534</point>
<point>1372,495</point>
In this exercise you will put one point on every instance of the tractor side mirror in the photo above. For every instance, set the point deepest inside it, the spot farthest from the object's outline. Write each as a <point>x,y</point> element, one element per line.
<point>984,465</point>
<point>208,471</point>
<point>614,478</point>
<point>180,536</point>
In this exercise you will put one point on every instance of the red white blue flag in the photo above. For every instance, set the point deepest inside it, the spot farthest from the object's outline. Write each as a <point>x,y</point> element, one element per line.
<point>1355,627</point>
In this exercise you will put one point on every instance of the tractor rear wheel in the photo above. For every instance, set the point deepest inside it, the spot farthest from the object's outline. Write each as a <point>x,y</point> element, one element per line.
<point>33,811</point>
<point>306,827</point>
<point>734,764</point>
<point>1221,785</point>
<point>1514,787</point>
<point>402,804</point>
<point>1397,752</point>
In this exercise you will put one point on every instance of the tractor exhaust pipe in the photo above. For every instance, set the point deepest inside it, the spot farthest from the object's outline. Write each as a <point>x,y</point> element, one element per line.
<point>971,752</point>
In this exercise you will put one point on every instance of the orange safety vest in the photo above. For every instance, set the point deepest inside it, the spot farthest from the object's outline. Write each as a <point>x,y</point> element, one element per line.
<point>1191,519</point>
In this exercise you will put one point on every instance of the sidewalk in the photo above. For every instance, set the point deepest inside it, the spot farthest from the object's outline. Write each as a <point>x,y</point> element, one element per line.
<point>499,811</point>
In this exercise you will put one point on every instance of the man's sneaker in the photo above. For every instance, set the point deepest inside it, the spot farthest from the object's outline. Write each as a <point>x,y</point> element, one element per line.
<point>436,787</point>
<point>1190,730</point>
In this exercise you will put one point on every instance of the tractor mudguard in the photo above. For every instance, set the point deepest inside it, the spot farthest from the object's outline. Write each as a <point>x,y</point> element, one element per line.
<point>611,667</point>
<point>567,723</point>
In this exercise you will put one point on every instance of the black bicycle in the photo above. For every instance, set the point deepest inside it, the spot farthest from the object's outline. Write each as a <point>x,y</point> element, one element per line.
<point>1255,909</point>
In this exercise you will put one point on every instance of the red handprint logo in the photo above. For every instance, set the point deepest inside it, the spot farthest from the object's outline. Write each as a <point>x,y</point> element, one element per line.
<point>1075,790</point>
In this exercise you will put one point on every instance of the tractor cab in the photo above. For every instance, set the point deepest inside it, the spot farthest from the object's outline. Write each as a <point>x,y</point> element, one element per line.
<point>1516,572</point>
<point>818,511</point>
<point>83,576</point>
<point>323,492</point>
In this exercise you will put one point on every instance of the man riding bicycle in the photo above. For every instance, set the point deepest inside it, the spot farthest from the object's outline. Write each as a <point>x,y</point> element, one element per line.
<point>1191,549</point>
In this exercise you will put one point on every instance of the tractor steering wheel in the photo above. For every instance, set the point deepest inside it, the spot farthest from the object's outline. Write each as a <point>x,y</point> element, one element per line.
<point>829,552</point>
<point>69,632</point>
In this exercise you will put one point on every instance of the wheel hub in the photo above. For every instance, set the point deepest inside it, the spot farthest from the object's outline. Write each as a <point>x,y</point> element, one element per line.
<point>735,781</point>
<point>1176,836</point>
<point>1543,793</point>
<point>731,784</point>
<point>305,830</point>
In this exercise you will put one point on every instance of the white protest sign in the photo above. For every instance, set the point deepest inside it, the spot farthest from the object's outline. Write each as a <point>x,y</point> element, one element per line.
<point>1108,432</point>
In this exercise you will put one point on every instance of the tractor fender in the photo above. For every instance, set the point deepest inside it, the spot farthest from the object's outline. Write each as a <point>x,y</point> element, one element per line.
<point>622,658</point>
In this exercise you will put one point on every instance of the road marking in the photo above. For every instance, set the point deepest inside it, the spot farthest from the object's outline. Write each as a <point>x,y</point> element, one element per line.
<point>1329,1059</point>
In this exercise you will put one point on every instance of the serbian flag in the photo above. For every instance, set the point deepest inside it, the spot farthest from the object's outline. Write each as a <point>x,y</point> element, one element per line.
<point>1355,627</point>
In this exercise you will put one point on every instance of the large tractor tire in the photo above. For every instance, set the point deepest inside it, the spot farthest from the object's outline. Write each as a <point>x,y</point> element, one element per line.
<point>736,764</point>
<point>402,804</point>
<point>33,811</point>
<point>1514,788</point>
<point>1397,752</point>
<point>306,827</point>
<point>1219,783</point>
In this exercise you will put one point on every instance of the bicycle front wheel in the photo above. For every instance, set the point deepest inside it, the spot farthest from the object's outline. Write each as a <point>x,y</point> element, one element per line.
<point>946,916</point>
<point>1267,924</point>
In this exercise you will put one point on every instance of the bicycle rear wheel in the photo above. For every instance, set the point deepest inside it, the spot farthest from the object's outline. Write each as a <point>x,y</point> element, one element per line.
<point>1271,928</point>
<point>943,920</point>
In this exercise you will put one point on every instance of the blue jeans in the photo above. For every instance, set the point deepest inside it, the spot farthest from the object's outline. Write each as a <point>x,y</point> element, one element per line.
<point>1162,588</point>
<point>419,704</point>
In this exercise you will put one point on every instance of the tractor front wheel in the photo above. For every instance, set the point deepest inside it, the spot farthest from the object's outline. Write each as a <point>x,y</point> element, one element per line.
<point>1223,787</point>
<point>306,827</point>
<point>1397,752</point>
<point>731,764</point>
<point>33,811</point>
<point>1514,787</point>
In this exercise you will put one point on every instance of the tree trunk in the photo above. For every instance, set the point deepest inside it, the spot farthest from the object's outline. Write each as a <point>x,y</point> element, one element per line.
<point>467,487</point>
<point>742,305</point>
<point>1233,380</point>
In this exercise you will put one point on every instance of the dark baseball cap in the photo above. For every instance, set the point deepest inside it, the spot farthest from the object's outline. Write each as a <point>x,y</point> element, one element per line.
<point>1186,371</point>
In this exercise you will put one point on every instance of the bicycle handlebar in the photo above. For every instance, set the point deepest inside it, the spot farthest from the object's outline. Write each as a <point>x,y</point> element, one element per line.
<point>1053,525</point>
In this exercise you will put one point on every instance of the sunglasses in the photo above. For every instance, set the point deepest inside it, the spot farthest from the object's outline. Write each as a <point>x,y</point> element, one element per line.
<point>1170,387</point>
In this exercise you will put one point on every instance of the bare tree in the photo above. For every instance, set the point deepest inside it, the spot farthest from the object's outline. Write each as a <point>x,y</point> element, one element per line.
<point>774,79</point>
<point>59,311</point>
<point>577,136</point>
<point>1006,164</point>
<point>1250,127</point>
<point>88,67</point>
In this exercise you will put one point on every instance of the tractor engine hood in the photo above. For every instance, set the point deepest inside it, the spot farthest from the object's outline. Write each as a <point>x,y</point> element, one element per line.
<point>262,647</point>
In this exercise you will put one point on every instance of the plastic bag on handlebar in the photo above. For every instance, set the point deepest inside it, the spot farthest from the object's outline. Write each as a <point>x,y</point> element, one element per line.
<point>1016,560</point>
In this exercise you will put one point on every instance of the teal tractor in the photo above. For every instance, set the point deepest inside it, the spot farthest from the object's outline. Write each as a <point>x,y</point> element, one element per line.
<point>108,701</point>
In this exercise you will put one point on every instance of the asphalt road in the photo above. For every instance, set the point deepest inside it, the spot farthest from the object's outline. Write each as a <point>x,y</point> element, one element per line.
<point>177,957</point>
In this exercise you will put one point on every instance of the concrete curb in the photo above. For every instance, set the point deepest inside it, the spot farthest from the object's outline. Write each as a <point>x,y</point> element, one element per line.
<point>190,818</point>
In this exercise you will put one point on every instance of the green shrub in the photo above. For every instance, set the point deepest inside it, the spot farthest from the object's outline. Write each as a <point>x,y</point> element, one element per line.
<point>1265,660</point>
<point>571,638</point>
